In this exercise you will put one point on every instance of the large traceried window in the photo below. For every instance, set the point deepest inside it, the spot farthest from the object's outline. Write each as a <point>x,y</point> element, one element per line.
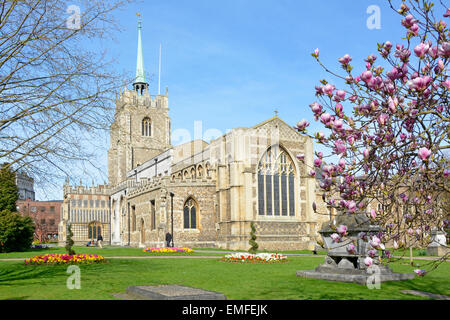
<point>190,214</point>
<point>276,183</point>
<point>146,127</point>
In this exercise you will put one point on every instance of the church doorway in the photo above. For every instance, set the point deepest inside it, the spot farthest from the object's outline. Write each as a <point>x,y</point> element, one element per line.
<point>94,230</point>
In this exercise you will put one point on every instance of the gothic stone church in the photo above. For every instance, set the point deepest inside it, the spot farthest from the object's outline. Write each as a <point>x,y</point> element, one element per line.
<point>206,194</point>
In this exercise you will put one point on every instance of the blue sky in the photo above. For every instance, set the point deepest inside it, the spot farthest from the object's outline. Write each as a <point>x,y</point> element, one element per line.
<point>232,63</point>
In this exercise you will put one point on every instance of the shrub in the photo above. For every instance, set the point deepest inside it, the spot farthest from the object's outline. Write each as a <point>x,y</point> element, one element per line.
<point>422,252</point>
<point>252,241</point>
<point>9,193</point>
<point>69,242</point>
<point>16,232</point>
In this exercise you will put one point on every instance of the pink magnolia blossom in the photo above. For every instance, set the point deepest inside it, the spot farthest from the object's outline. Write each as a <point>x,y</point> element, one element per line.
<point>340,95</point>
<point>301,157</point>
<point>382,119</point>
<point>316,108</point>
<point>372,253</point>
<point>444,50</point>
<point>342,230</point>
<point>312,173</point>
<point>345,59</point>
<point>328,89</point>
<point>424,153</point>
<point>316,53</point>
<point>335,237</point>
<point>338,124</point>
<point>351,206</point>
<point>375,242</point>
<point>340,147</point>
<point>420,272</point>
<point>302,125</point>
<point>351,249</point>
<point>420,83</point>
<point>409,21</point>
<point>351,140</point>
<point>446,84</point>
<point>317,162</point>
<point>325,118</point>
<point>366,76</point>
<point>421,49</point>
<point>373,213</point>
<point>366,154</point>
<point>368,261</point>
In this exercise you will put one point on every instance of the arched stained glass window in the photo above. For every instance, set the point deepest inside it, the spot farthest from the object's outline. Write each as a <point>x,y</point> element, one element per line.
<point>276,183</point>
<point>146,127</point>
<point>190,214</point>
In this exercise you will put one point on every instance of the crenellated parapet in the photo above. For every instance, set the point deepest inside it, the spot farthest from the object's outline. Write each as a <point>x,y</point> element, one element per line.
<point>145,185</point>
<point>83,190</point>
<point>131,98</point>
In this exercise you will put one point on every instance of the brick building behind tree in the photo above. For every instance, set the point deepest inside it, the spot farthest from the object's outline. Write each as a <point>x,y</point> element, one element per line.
<point>45,214</point>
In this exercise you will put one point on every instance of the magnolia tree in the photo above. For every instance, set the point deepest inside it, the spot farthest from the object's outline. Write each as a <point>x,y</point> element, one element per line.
<point>388,133</point>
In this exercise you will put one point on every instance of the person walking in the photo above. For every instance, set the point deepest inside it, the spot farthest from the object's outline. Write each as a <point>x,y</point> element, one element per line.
<point>99,241</point>
<point>168,239</point>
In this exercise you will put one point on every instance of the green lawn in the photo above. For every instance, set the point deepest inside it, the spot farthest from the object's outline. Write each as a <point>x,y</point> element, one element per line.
<point>236,281</point>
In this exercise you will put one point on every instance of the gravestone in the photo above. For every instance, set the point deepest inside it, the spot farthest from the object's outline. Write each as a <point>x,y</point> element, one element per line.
<point>340,265</point>
<point>172,292</point>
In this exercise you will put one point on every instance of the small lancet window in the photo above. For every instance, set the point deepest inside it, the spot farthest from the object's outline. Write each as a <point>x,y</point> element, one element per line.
<point>146,127</point>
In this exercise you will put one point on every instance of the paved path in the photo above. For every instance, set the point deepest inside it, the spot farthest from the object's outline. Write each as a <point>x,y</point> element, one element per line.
<point>426,294</point>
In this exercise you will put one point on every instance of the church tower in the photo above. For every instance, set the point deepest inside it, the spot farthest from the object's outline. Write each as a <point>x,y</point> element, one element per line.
<point>141,127</point>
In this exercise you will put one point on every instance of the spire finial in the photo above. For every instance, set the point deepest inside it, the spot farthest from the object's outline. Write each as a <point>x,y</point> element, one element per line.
<point>276,113</point>
<point>140,84</point>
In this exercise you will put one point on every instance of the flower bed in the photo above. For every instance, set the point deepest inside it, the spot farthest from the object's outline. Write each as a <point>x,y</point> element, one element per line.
<point>65,259</point>
<point>244,257</point>
<point>168,250</point>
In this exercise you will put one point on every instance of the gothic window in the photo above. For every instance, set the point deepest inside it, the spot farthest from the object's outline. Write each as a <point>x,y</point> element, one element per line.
<point>276,183</point>
<point>153,214</point>
<point>146,127</point>
<point>133,218</point>
<point>190,214</point>
<point>94,230</point>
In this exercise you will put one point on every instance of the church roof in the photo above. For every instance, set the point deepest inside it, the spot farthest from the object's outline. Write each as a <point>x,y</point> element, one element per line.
<point>275,119</point>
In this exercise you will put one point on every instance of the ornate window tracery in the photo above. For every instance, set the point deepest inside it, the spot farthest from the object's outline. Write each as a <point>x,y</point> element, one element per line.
<point>276,183</point>
<point>190,214</point>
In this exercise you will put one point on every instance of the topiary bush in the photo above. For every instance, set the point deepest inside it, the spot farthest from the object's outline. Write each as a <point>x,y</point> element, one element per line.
<point>69,242</point>
<point>252,241</point>
<point>16,232</point>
